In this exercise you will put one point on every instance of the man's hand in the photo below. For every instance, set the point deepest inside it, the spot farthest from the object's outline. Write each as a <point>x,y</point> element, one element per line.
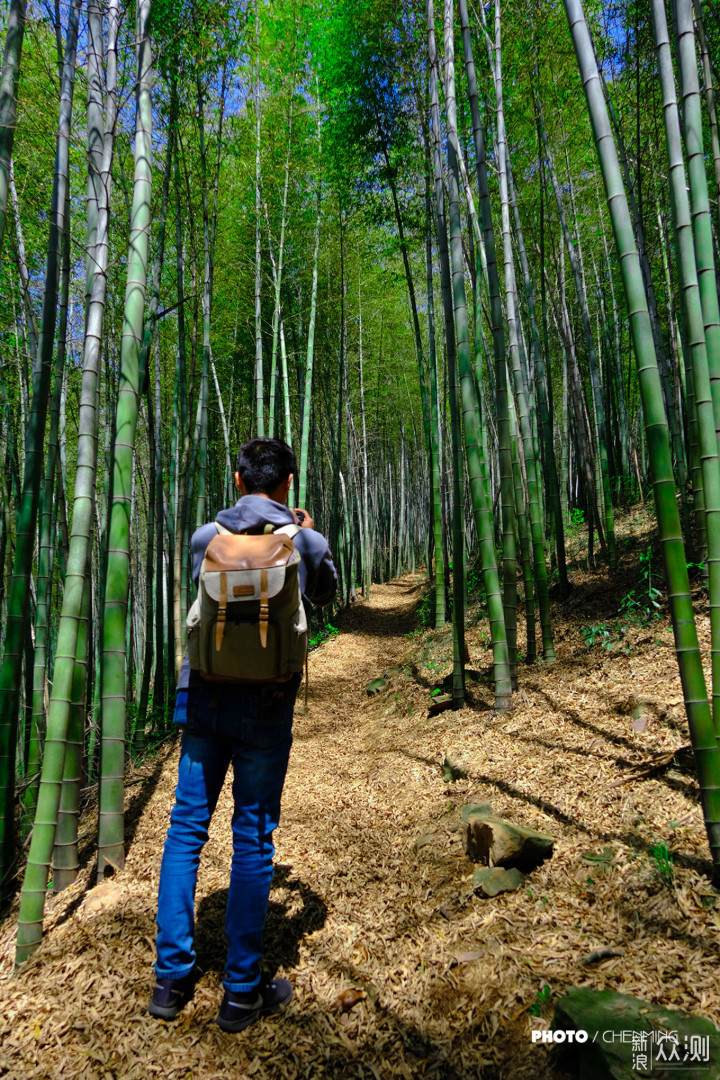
<point>303,519</point>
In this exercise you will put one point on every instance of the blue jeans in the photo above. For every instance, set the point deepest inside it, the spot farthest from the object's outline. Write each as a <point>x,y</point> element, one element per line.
<point>252,727</point>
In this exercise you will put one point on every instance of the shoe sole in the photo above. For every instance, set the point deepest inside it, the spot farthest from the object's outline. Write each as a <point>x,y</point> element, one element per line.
<point>166,1012</point>
<point>169,1012</point>
<point>233,1026</point>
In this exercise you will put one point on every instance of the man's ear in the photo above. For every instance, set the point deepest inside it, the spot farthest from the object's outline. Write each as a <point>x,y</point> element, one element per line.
<point>240,484</point>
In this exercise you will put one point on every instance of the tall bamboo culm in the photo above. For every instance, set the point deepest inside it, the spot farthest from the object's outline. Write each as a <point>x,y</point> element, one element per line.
<point>18,605</point>
<point>70,663</point>
<point>9,79</point>
<point>702,731</point>
<point>111,852</point>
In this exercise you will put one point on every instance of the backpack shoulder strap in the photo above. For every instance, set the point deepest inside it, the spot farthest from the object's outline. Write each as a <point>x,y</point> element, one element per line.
<point>288,530</point>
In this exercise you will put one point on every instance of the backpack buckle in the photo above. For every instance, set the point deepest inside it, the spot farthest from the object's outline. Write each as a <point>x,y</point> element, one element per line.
<point>264,608</point>
<point>222,611</point>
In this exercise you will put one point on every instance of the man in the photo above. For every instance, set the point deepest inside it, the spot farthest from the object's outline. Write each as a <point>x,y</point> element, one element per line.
<point>249,725</point>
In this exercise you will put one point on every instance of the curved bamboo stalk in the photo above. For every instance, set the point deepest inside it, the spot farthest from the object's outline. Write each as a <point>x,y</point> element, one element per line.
<point>704,740</point>
<point>18,605</point>
<point>259,389</point>
<point>699,196</point>
<point>307,395</point>
<point>277,273</point>
<point>112,760</point>
<point>48,503</point>
<point>507,496</point>
<point>449,328</point>
<point>436,477</point>
<point>692,307</point>
<point>523,408</point>
<point>75,597</point>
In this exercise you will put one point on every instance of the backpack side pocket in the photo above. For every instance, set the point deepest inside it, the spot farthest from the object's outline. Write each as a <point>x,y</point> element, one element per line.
<point>192,630</point>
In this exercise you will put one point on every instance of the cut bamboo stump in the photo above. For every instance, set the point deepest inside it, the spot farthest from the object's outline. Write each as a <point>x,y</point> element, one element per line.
<point>495,842</point>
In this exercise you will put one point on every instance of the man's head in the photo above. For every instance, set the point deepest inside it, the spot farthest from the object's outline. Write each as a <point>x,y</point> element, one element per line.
<point>265,467</point>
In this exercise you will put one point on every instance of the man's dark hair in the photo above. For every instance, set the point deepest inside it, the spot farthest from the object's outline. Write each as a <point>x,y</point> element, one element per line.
<point>265,463</point>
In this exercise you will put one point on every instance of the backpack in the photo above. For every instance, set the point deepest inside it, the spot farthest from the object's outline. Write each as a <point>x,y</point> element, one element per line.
<point>248,622</point>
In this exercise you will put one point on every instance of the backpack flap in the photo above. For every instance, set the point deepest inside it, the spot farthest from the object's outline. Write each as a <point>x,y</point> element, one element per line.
<point>239,552</point>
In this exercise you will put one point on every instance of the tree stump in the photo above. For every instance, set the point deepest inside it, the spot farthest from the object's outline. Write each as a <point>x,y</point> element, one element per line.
<point>495,842</point>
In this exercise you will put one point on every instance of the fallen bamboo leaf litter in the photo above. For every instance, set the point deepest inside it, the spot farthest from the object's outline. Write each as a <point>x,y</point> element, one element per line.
<point>357,903</point>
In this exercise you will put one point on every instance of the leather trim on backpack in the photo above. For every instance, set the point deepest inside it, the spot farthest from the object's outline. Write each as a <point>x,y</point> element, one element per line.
<point>264,608</point>
<point>265,550</point>
<point>222,612</point>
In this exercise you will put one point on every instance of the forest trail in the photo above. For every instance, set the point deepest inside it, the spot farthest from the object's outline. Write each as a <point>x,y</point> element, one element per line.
<point>373,889</point>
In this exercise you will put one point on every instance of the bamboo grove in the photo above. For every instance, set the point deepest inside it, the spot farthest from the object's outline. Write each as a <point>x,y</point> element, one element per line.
<point>462,258</point>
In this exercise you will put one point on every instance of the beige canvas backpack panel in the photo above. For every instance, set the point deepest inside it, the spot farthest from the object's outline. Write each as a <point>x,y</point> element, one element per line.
<point>248,622</point>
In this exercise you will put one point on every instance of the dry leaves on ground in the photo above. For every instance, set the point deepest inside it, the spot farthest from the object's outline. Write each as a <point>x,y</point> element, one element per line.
<point>372,902</point>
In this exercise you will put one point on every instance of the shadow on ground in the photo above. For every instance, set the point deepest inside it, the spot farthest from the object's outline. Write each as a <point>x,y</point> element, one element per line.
<point>300,912</point>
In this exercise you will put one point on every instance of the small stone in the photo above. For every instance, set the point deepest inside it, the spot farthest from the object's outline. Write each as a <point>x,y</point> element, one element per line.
<point>468,957</point>
<point>601,954</point>
<point>495,880</point>
<point>452,772</point>
<point>376,685</point>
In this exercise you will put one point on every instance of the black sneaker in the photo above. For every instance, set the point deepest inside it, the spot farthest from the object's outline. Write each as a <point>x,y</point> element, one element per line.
<point>170,996</point>
<point>240,1010</point>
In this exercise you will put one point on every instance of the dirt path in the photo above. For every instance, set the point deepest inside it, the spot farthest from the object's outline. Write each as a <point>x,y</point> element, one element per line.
<point>342,907</point>
<point>373,890</point>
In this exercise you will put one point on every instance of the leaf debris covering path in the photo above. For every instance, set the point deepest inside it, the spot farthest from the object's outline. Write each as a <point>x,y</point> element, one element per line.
<point>358,905</point>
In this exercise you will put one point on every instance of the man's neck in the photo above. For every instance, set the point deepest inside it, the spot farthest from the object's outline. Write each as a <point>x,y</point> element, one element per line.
<point>264,495</point>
